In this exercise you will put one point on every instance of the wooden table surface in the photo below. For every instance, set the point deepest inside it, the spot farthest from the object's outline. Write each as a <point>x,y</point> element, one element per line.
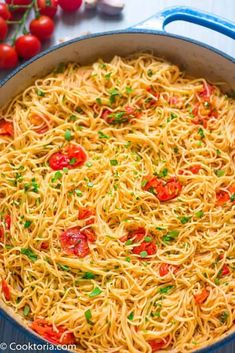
<point>71,26</point>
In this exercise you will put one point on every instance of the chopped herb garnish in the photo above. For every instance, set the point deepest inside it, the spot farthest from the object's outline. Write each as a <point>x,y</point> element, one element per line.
<point>90,184</point>
<point>113,162</point>
<point>88,275</point>
<point>128,242</point>
<point>72,118</point>
<point>148,239</point>
<point>172,117</point>
<point>63,267</point>
<point>207,104</point>
<point>217,281</point>
<point>30,254</point>
<point>131,316</point>
<point>113,94</point>
<point>96,291</point>
<point>184,219</point>
<point>144,183</point>
<point>218,152</point>
<point>27,224</point>
<point>128,259</point>
<point>26,310</point>
<point>201,132</point>
<point>219,172</point>
<point>58,175</point>
<point>99,101</point>
<point>68,135</point>
<point>72,161</point>
<point>175,149</point>
<point>199,214</point>
<point>88,316</point>
<point>232,198</point>
<point>78,192</point>
<point>40,93</point>
<point>143,254</point>
<point>118,118</point>
<point>150,73</point>
<point>223,317</point>
<point>170,236</point>
<point>163,173</point>
<point>89,164</point>
<point>107,76</point>
<point>102,135</point>
<point>165,290</point>
<point>129,90</point>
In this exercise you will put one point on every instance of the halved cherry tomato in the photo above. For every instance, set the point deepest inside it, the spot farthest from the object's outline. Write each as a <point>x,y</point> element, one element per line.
<point>6,128</point>
<point>46,331</point>
<point>150,249</point>
<point>164,191</point>
<point>45,245</point>
<point>194,169</point>
<point>8,57</point>
<point>136,235</point>
<point>4,11</point>
<point>27,46</point>
<point>70,5</point>
<point>47,8</point>
<point>74,241</point>
<point>164,269</point>
<point>225,270</point>
<point>6,290</point>
<point>88,214</point>
<point>206,91</point>
<point>201,297</point>
<point>158,344</point>
<point>76,155</point>
<point>59,161</point>
<point>42,27</point>
<point>223,196</point>
<point>3,28</point>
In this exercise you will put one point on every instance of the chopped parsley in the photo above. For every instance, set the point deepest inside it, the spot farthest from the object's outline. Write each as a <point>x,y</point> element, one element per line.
<point>129,90</point>
<point>232,198</point>
<point>184,219</point>
<point>90,184</point>
<point>113,162</point>
<point>88,275</point>
<point>150,73</point>
<point>102,135</point>
<point>131,316</point>
<point>143,254</point>
<point>201,132</point>
<point>128,242</point>
<point>27,224</point>
<point>172,117</point>
<point>96,291</point>
<point>218,152</point>
<point>99,101</point>
<point>40,93</point>
<point>29,253</point>
<point>88,316</point>
<point>128,259</point>
<point>72,118</point>
<point>72,161</point>
<point>26,310</point>
<point>68,135</point>
<point>170,236</point>
<point>163,173</point>
<point>144,183</point>
<point>176,149</point>
<point>223,317</point>
<point>219,172</point>
<point>118,118</point>
<point>113,94</point>
<point>58,175</point>
<point>165,290</point>
<point>148,239</point>
<point>63,267</point>
<point>199,214</point>
<point>89,164</point>
<point>107,76</point>
<point>78,192</point>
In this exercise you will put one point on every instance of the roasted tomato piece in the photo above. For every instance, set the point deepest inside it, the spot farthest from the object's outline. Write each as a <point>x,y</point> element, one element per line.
<point>74,241</point>
<point>6,128</point>
<point>201,297</point>
<point>6,290</point>
<point>59,161</point>
<point>225,270</point>
<point>87,214</point>
<point>158,344</point>
<point>76,154</point>
<point>149,248</point>
<point>47,331</point>
<point>136,235</point>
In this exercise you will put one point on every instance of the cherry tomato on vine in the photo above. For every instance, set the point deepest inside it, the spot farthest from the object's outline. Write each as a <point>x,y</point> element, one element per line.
<point>18,3</point>
<point>47,8</point>
<point>8,57</point>
<point>42,27</point>
<point>4,11</point>
<point>27,46</point>
<point>70,5</point>
<point>3,28</point>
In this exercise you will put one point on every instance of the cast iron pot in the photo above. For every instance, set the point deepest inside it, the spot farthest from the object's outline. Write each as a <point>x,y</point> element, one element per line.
<point>196,58</point>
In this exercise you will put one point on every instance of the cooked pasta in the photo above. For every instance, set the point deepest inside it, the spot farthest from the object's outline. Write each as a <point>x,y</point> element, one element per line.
<point>118,207</point>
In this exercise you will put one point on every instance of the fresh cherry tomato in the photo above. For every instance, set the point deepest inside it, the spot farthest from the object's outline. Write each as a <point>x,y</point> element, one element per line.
<point>8,57</point>
<point>47,8</point>
<point>6,128</point>
<point>6,290</point>
<point>74,242</point>
<point>18,3</point>
<point>149,248</point>
<point>70,5</point>
<point>59,161</point>
<point>42,27</point>
<point>88,214</point>
<point>158,344</point>
<point>164,191</point>
<point>3,28</point>
<point>4,11</point>
<point>135,235</point>
<point>201,297</point>
<point>225,270</point>
<point>47,331</point>
<point>27,46</point>
<point>76,155</point>
<point>164,269</point>
<point>44,245</point>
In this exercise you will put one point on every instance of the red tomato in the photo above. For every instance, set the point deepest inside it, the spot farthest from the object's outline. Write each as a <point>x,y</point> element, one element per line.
<point>158,344</point>
<point>59,161</point>
<point>222,197</point>
<point>70,5</point>
<point>225,270</point>
<point>3,28</point>
<point>88,214</point>
<point>4,11</point>
<point>18,3</point>
<point>6,128</point>
<point>136,235</point>
<point>27,46</point>
<point>75,242</point>
<point>164,269</point>
<point>47,8</point>
<point>45,245</point>
<point>164,191</point>
<point>194,169</point>
<point>201,297</point>
<point>76,154</point>
<point>231,189</point>
<point>8,222</point>
<point>6,290</point>
<point>150,249</point>
<point>42,27</point>
<point>8,57</point>
<point>47,331</point>
<point>207,90</point>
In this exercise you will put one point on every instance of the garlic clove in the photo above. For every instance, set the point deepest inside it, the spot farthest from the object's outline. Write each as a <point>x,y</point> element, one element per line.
<point>90,4</point>
<point>111,7</point>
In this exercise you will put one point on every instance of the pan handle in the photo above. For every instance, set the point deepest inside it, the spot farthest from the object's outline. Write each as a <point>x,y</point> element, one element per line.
<point>183,13</point>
